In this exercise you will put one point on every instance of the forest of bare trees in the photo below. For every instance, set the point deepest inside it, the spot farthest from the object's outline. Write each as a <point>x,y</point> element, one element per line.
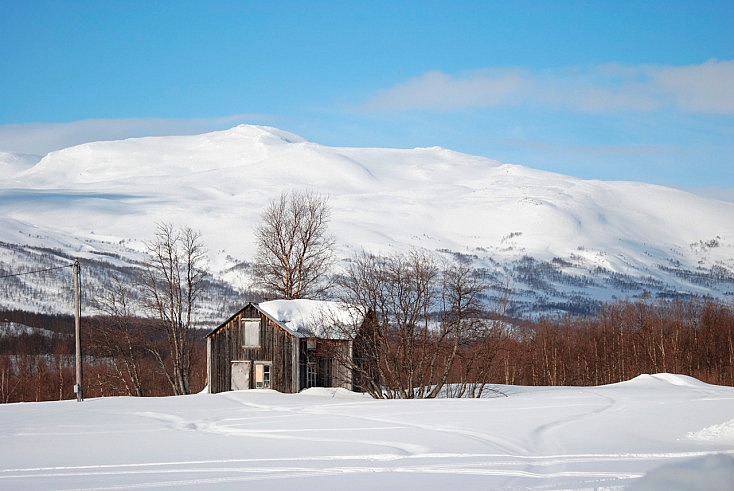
<point>39,366</point>
<point>624,340</point>
<point>432,334</point>
<point>146,342</point>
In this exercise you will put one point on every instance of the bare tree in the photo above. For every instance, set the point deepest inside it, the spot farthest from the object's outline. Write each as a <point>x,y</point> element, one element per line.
<point>463,321</point>
<point>420,320</point>
<point>294,249</point>
<point>116,339</point>
<point>174,280</point>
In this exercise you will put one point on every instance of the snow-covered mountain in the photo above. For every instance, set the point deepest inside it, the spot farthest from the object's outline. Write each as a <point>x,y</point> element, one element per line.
<point>557,241</point>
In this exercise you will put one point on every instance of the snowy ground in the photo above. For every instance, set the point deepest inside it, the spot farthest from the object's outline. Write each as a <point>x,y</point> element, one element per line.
<point>540,438</point>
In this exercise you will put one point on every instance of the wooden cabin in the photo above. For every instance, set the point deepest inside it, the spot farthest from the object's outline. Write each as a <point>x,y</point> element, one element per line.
<point>286,345</point>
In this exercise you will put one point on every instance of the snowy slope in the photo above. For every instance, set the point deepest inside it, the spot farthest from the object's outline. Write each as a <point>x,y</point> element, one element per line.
<point>12,329</point>
<point>589,239</point>
<point>536,438</point>
<point>15,163</point>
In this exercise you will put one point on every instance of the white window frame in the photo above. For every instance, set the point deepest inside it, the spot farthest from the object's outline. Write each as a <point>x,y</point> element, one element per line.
<point>263,375</point>
<point>250,332</point>
<point>312,373</point>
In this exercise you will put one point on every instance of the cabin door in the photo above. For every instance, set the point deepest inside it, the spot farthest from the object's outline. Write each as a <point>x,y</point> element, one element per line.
<point>240,375</point>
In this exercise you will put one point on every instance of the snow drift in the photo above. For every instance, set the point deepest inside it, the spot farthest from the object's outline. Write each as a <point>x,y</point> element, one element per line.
<point>536,438</point>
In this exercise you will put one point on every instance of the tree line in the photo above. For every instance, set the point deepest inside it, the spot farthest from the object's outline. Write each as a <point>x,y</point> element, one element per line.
<point>447,354</point>
<point>625,339</point>
<point>39,366</point>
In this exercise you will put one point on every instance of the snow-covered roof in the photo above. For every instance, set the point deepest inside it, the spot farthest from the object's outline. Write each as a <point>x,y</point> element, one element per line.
<point>314,318</point>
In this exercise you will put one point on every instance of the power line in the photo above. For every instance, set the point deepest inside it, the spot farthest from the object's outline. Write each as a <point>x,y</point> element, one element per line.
<point>37,271</point>
<point>77,318</point>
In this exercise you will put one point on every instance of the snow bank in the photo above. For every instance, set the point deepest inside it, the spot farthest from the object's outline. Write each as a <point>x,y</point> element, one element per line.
<point>676,379</point>
<point>661,379</point>
<point>708,473</point>
<point>723,432</point>
<point>333,392</point>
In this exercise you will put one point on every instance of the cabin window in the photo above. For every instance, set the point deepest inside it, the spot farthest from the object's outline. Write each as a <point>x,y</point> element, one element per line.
<point>251,332</point>
<point>262,375</point>
<point>311,374</point>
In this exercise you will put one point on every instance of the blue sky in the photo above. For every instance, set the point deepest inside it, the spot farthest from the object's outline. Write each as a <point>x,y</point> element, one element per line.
<point>600,90</point>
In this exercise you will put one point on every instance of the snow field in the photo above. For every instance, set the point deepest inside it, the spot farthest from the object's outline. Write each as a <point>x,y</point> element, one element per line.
<point>535,438</point>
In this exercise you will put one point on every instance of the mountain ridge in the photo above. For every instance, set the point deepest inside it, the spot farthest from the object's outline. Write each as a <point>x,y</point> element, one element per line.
<point>587,234</point>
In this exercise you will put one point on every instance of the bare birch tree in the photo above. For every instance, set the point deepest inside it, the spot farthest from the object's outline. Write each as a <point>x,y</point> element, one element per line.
<point>116,337</point>
<point>419,316</point>
<point>294,250</point>
<point>174,282</point>
<point>462,321</point>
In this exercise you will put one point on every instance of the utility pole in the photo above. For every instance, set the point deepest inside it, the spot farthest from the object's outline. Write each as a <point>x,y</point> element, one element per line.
<point>77,331</point>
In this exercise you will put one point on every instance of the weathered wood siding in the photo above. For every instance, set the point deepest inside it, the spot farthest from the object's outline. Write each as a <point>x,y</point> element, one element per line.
<point>276,348</point>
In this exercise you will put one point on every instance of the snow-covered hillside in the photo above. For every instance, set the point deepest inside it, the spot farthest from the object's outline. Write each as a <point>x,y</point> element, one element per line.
<point>15,163</point>
<point>559,241</point>
<point>8,328</point>
<point>674,428</point>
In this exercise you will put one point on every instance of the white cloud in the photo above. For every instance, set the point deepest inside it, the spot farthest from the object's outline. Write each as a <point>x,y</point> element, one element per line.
<point>704,88</point>
<point>575,149</point>
<point>41,138</point>
<point>713,192</point>
<point>439,91</point>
